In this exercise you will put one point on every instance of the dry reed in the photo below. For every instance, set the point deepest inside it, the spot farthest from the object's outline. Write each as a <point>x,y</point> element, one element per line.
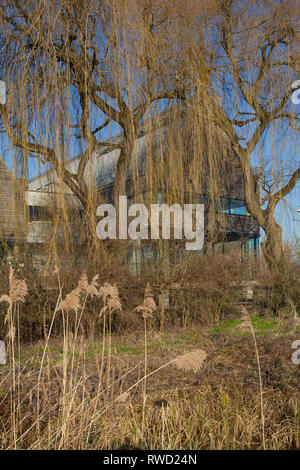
<point>246,326</point>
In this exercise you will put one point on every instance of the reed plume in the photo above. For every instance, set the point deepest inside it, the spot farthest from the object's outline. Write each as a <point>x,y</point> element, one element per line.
<point>17,293</point>
<point>17,290</point>
<point>73,299</point>
<point>89,289</point>
<point>111,303</point>
<point>191,361</point>
<point>71,302</point>
<point>110,296</point>
<point>149,305</point>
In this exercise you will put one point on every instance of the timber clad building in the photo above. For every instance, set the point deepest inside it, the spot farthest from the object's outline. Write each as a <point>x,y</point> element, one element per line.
<point>12,218</point>
<point>12,213</point>
<point>155,154</point>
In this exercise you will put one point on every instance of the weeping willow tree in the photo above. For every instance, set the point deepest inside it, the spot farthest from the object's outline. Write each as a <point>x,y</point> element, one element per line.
<point>79,72</point>
<point>76,68</point>
<point>243,60</point>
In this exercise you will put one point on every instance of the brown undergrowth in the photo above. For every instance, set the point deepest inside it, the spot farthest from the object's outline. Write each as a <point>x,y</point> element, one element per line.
<point>186,388</point>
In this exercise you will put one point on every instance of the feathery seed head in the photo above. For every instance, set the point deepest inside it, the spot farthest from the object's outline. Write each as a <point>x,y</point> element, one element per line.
<point>71,302</point>
<point>110,295</point>
<point>149,305</point>
<point>191,361</point>
<point>17,289</point>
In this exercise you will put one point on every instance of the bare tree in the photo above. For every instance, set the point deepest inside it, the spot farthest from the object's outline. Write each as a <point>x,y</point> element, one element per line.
<point>81,66</point>
<point>107,61</point>
<point>242,59</point>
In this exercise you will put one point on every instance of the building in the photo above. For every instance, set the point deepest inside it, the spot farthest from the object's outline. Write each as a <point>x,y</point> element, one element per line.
<point>12,215</point>
<point>12,219</point>
<point>161,170</point>
<point>159,154</point>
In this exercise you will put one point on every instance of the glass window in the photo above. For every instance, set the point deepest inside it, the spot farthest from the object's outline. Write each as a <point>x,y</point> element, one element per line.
<point>37,213</point>
<point>148,255</point>
<point>238,207</point>
<point>160,197</point>
<point>227,206</point>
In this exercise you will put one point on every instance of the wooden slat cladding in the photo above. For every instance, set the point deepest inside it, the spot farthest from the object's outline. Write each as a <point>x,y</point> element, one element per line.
<point>12,216</point>
<point>241,225</point>
<point>4,283</point>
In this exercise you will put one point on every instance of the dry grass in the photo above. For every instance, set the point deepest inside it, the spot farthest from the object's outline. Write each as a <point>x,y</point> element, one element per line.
<point>247,326</point>
<point>213,408</point>
<point>148,307</point>
<point>80,393</point>
<point>201,290</point>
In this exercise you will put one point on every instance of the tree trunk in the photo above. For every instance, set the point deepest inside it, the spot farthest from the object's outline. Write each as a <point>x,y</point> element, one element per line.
<point>122,169</point>
<point>272,248</point>
<point>272,245</point>
<point>120,177</point>
<point>284,285</point>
